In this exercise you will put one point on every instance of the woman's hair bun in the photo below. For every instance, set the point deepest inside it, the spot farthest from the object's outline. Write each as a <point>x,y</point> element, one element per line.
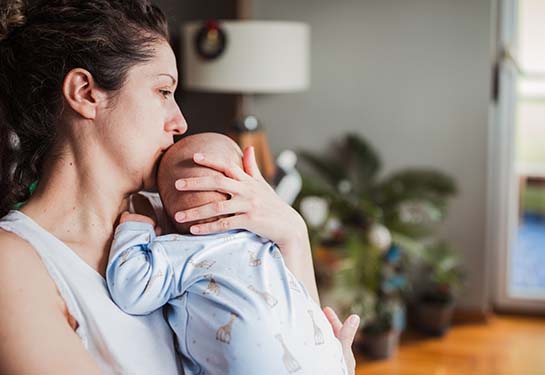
<point>12,14</point>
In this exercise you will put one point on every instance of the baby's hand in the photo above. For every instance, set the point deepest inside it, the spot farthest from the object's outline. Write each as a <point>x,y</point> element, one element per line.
<point>127,216</point>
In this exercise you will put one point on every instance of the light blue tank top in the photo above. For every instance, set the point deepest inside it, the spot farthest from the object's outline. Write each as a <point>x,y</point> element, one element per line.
<point>118,342</point>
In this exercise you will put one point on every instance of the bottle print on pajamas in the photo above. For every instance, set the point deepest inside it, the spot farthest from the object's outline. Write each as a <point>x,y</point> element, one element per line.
<point>223,334</point>
<point>213,287</point>
<point>267,297</point>
<point>254,260</point>
<point>318,335</point>
<point>290,363</point>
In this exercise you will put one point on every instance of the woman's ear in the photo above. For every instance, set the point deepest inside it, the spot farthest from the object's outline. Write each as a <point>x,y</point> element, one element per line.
<point>82,93</point>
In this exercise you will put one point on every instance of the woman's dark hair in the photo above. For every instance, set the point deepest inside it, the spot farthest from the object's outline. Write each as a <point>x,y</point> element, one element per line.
<point>40,42</point>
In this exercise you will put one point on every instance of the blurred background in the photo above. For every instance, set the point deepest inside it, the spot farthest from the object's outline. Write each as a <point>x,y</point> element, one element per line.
<point>410,134</point>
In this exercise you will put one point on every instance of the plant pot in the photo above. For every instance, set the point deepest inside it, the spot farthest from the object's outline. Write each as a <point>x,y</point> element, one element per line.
<point>433,318</point>
<point>380,346</point>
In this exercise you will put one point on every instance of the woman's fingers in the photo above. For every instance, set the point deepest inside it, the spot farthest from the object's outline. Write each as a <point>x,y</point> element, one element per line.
<point>220,225</point>
<point>334,320</point>
<point>345,333</point>
<point>210,183</point>
<point>220,163</point>
<point>213,209</point>
<point>250,163</point>
<point>348,331</point>
<point>346,337</point>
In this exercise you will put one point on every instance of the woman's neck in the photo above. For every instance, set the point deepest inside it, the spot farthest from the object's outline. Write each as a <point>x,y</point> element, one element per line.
<point>79,197</point>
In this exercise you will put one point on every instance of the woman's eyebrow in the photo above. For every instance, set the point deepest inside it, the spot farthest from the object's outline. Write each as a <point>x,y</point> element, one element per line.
<point>170,76</point>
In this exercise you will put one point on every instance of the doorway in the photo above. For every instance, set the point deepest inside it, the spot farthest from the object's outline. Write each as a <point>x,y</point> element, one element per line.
<point>517,181</point>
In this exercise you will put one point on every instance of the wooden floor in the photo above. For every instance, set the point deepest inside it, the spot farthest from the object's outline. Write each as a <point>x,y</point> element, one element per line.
<point>506,345</point>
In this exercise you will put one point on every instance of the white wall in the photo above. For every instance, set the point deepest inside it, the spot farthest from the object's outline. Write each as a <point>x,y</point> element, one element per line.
<point>413,76</point>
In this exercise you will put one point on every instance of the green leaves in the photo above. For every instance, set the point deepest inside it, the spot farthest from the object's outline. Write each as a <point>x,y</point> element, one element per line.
<point>329,169</point>
<point>425,184</point>
<point>410,203</point>
<point>363,162</point>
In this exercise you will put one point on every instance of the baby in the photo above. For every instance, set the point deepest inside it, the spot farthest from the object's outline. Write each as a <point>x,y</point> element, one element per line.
<point>234,306</point>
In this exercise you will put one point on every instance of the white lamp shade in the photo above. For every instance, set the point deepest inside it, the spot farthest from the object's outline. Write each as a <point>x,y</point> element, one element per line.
<point>259,57</point>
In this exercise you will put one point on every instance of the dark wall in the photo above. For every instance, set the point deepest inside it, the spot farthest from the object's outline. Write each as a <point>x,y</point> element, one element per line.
<point>203,111</point>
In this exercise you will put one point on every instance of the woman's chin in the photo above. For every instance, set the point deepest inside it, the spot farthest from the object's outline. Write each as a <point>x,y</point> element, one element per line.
<point>149,180</point>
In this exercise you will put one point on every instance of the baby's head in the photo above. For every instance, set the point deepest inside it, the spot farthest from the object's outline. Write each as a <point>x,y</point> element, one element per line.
<point>178,163</point>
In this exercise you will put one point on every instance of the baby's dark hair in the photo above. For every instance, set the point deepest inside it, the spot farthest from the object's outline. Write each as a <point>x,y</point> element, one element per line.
<point>39,44</point>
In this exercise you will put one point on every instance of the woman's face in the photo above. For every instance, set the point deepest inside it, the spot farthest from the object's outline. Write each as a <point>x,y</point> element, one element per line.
<point>143,118</point>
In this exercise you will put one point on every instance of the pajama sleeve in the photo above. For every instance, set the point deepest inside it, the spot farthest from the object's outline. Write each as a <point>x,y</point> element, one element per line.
<point>140,276</point>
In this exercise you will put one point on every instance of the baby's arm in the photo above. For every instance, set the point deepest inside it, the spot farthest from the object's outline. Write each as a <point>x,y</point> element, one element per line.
<point>139,273</point>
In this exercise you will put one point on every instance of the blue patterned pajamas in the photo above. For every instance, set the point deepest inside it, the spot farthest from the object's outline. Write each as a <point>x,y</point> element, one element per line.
<point>234,306</point>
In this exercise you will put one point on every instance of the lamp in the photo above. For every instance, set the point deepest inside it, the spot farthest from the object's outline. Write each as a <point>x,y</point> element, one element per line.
<point>260,57</point>
<point>247,57</point>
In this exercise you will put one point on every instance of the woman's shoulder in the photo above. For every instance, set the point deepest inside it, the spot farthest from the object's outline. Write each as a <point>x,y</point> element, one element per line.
<point>31,310</point>
<point>15,251</point>
<point>22,269</point>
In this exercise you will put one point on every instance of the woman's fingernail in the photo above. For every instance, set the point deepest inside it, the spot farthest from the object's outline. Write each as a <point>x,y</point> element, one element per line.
<point>179,216</point>
<point>198,157</point>
<point>179,184</point>
<point>354,320</point>
<point>194,229</point>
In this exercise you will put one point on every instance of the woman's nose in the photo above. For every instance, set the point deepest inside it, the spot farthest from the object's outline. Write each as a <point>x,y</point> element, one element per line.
<point>177,123</point>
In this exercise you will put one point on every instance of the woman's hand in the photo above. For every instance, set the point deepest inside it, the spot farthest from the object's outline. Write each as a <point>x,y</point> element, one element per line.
<point>253,206</point>
<point>345,333</point>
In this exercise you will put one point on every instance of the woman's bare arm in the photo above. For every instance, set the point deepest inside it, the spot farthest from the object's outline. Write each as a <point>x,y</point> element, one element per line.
<point>298,257</point>
<point>36,335</point>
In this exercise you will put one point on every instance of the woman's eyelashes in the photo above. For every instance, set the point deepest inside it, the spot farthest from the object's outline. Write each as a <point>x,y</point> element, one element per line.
<point>166,93</point>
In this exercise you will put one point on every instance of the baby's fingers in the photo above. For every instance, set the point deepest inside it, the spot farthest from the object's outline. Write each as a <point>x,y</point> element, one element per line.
<point>126,216</point>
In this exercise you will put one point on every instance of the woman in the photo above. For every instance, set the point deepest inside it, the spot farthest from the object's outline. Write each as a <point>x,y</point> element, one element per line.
<point>87,109</point>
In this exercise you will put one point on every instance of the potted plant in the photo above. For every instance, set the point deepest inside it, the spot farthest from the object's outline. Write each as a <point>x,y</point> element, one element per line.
<point>436,300</point>
<point>362,226</point>
<point>369,282</point>
<point>380,339</point>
